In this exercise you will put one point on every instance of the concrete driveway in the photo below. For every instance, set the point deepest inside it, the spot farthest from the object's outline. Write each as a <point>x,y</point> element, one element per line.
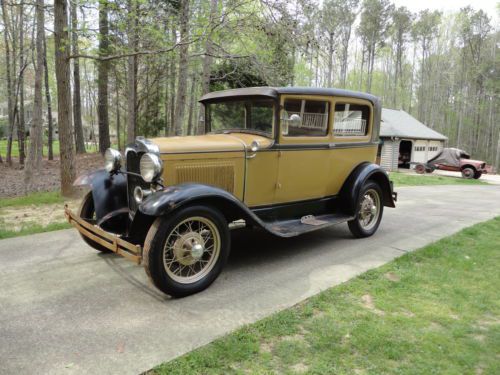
<point>65,309</point>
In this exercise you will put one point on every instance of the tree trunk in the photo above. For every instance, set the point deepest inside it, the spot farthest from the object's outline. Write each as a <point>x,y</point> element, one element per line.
<point>183,68</point>
<point>207,65</point>
<point>49,102</point>
<point>21,122</point>
<point>192,105</point>
<point>173,77</point>
<point>61,39</point>
<point>132,73</point>
<point>117,103</point>
<point>36,141</point>
<point>103,78</point>
<point>331,41</point>
<point>77,101</point>
<point>8,76</point>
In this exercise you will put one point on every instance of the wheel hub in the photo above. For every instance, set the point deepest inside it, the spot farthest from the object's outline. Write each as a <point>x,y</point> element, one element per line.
<point>188,248</point>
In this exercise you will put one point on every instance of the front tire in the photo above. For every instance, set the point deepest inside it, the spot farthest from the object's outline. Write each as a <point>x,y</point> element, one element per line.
<point>87,213</point>
<point>478,175</point>
<point>369,210</point>
<point>184,253</point>
<point>468,173</point>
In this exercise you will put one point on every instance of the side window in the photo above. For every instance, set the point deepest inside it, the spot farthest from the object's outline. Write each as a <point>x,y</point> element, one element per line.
<point>307,118</point>
<point>351,120</point>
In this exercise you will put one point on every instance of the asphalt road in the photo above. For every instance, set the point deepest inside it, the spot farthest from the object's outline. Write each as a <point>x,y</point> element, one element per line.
<point>65,309</point>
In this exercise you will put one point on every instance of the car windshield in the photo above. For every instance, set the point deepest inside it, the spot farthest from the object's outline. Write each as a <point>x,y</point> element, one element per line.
<point>249,115</point>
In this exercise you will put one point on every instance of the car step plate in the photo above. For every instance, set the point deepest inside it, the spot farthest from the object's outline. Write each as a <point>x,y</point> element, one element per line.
<point>311,220</point>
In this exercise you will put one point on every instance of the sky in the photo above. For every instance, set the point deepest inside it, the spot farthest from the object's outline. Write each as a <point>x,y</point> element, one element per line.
<point>489,6</point>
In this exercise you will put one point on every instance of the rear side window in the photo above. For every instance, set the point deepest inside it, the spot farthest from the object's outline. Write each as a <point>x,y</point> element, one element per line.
<point>307,118</point>
<point>351,120</point>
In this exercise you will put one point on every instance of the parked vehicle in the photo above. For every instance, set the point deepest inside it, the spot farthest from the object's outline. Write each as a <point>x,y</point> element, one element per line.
<point>453,159</point>
<point>286,160</point>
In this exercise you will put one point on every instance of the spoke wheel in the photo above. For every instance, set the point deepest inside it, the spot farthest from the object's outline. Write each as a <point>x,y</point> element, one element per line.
<point>185,251</point>
<point>369,211</point>
<point>191,250</point>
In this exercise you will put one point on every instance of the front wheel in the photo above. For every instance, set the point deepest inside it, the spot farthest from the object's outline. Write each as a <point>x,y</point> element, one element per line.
<point>478,175</point>
<point>184,253</point>
<point>369,211</point>
<point>468,173</point>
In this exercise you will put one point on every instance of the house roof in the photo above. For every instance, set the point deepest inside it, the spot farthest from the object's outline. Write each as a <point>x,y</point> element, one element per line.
<point>403,125</point>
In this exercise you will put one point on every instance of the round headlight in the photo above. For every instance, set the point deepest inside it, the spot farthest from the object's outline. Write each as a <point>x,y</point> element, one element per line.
<point>150,166</point>
<point>112,160</point>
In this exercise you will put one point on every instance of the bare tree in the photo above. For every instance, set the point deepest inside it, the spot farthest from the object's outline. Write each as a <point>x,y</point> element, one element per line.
<point>20,118</point>
<point>77,101</point>
<point>61,41</point>
<point>103,78</point>
<point>36,141</point>
<point>48,99</point>
<point>183,68</point>
<point>207,65</point>
<point>132,71</point>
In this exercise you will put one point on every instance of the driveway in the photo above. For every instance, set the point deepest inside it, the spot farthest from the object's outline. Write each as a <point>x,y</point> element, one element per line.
<point>65,309</point>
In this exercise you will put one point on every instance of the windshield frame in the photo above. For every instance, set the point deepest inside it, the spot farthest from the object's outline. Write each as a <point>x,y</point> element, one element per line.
<point>275,107</point>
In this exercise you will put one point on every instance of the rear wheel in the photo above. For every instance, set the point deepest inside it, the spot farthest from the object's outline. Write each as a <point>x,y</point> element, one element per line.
<point>87,213</point>
<point>184,253</point>
<point>369,211</point>
<point>420,168</point>
<point>468,173</point>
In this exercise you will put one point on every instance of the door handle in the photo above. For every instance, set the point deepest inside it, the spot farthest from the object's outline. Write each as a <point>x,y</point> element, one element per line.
<point>251,156</point>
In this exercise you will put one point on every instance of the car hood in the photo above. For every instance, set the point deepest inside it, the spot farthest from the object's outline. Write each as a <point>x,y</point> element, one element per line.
<point>471,161</point>
<point>210,143</point>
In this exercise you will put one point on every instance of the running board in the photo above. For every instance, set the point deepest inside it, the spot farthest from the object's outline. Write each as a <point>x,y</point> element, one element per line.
<point>295,227</point>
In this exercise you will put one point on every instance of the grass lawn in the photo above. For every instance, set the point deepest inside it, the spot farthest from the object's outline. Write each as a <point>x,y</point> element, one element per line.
<point>55,145</point>
<point>436,310</point>
<point>405,179</point>
<point>34,213</point>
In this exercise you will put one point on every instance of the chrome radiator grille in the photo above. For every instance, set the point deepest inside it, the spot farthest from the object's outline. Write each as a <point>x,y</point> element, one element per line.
<point>133,159</point>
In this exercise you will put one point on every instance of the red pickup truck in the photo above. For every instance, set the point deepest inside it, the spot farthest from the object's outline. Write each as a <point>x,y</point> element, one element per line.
<point>453,159</point>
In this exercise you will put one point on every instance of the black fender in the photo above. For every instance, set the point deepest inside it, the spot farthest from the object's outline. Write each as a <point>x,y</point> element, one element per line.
<point>172,198</point>
<point>109,192</point>
<point>350,191</point>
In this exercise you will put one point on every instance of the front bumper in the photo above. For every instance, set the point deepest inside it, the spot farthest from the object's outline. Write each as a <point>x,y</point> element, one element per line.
<point>108,240</point>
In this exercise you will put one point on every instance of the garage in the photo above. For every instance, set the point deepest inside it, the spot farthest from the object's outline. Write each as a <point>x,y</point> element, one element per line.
<point>404,140</point>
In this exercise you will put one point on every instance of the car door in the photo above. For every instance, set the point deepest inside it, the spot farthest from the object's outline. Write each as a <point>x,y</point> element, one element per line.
<point>304,148</point>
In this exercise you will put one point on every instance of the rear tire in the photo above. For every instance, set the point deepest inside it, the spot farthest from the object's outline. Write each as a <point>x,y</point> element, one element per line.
<point>184,253</point>
<point>369,210</point>
<point>87,213</point>
<point>468,173</point>
<point>420,169</point>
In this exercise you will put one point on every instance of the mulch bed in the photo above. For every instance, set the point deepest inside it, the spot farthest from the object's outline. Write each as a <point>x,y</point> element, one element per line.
<point>46,179</point>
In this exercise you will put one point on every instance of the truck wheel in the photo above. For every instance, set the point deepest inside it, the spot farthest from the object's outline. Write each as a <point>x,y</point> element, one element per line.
<point>87,213</point>
<point>184,253</point>
<point>468,173</point>
<point>478,175</point>
<point>369,211</point>
<point>420,168</point>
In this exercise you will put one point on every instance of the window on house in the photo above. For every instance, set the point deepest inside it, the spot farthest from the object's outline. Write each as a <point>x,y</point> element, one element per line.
<point>307,118</point>
<point>351,120</point>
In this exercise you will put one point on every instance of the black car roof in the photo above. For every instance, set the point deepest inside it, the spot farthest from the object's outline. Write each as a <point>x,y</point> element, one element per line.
<point>273,92</point>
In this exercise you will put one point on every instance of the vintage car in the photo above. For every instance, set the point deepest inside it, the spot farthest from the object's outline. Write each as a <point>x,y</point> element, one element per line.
<point>285,160</point>
<point>455,160</point>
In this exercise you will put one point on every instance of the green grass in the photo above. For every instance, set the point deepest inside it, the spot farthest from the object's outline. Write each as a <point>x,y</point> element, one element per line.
<point>49,197</point>
<point>32,229</point>
<point>55,148</point>
<point>432,311</point>
<point>405,179</point>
